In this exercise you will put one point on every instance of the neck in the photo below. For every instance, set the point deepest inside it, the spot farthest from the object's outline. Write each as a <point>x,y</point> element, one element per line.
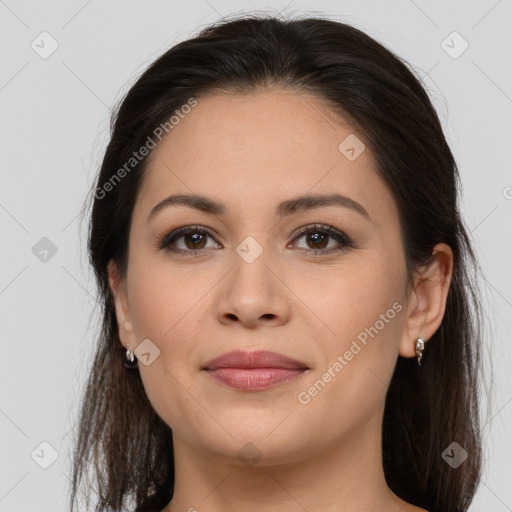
<point>347,476</point>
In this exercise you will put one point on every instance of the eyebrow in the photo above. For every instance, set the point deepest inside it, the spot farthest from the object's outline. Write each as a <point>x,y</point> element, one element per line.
<point>283,209</point>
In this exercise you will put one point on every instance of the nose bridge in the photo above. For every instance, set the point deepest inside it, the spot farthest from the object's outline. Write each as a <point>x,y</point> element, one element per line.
<point>251,275</point>
<point>252,292</point>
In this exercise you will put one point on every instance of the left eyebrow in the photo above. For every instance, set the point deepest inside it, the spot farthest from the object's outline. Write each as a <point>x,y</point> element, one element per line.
<point>283,209</point>
<point>310,202</point>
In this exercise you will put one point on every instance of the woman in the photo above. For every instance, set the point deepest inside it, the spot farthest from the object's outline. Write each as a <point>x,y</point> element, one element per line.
<point>290,320</point>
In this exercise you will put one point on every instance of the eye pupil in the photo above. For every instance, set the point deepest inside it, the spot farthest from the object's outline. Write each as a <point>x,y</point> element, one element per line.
<point>318,238</point>
<point>196,238</point>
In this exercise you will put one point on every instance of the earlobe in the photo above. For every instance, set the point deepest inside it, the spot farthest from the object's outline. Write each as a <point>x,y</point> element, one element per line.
<point>427,302</point>
<point>118,291</point>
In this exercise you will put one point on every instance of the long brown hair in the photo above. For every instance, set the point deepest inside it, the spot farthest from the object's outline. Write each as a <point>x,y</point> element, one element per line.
<point>119,435</point>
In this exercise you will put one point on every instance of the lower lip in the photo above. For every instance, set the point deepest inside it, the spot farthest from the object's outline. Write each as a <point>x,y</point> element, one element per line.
<point>254,379</point>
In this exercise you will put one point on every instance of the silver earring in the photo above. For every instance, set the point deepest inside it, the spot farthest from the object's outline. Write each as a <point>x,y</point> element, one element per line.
<point>420,345</point>
<point>130,361</point>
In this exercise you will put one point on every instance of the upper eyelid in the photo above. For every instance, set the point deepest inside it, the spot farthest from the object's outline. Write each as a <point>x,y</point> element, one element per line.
<point>297,231</point>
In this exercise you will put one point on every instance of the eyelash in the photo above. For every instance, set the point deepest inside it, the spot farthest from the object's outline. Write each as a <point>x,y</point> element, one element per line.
<point>166,239</point>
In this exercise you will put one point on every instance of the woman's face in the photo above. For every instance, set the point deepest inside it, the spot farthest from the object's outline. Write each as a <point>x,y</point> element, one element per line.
<point>255,282</point>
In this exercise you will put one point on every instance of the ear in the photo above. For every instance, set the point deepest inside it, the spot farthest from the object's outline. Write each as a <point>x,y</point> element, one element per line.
<point>119,292</point>
<point>427,300</point>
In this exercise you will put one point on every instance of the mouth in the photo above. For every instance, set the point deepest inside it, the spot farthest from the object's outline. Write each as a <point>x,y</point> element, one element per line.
<point>254,371</point>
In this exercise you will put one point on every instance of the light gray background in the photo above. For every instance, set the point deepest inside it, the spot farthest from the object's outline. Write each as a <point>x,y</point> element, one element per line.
<point>55,118</point>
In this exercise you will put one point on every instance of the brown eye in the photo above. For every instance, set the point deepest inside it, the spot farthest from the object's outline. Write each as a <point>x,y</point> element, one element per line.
<point>193,239</point>
<point>318,237</point>
<point>319,240</point>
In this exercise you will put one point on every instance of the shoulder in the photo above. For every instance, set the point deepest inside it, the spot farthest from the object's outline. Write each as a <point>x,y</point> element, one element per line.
<point>408,507</point>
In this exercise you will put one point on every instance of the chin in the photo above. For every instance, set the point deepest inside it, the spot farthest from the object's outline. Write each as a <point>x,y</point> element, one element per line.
<point>255,437</point>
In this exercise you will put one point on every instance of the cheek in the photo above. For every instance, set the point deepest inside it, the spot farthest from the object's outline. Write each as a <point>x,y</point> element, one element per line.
<point>358,359</point>
<point>362,318</point>
<point>352,298</point>
<point>169,309</point>
<point>164,299</point>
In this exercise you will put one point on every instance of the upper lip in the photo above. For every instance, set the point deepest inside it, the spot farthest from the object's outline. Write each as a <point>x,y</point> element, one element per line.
<point>258,359</point>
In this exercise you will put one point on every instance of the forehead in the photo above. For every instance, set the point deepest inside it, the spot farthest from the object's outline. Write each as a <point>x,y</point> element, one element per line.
<point>258,148</point>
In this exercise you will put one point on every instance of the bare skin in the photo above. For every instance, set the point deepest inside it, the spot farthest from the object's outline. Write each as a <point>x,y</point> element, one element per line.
<point>251,152</point>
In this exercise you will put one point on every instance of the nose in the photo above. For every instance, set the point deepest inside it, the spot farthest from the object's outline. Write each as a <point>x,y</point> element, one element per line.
<point>254,293</point>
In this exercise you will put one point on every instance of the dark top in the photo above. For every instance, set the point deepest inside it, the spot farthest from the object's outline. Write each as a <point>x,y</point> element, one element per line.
<point>156,503</point>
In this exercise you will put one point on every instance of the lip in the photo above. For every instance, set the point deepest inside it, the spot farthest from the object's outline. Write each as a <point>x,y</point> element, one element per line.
<point>254,371</point>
